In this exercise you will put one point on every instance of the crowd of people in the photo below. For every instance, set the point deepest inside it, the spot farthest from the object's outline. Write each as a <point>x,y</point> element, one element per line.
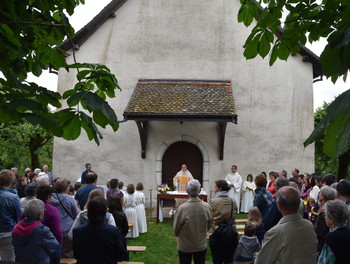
<point>53,219</point>
<point>301,219</point>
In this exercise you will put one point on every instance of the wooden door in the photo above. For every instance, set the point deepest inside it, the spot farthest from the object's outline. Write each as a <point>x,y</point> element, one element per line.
<point>182,153</point>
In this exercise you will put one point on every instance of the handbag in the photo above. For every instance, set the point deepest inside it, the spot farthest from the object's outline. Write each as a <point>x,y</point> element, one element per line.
<point>225,228</point>
<point>64,208</point>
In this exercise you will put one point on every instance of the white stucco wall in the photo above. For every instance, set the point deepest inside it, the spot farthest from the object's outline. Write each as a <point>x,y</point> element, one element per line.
<point>193,39</point>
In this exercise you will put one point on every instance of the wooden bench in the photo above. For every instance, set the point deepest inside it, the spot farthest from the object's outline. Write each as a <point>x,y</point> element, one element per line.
<point>73,261</point>
<point>136,248</point>
<point>241,220</point>
<point>128,262</point>
<point>68,261</point>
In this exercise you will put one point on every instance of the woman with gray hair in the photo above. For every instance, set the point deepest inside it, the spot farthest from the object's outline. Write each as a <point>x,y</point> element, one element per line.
<point>326,194</point>
<point>336,247</point>
<point>68,211</point>
<point>33,242</point>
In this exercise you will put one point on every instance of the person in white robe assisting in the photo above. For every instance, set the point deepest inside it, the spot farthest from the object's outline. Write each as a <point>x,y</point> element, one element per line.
<point>140,200</point>
<point>234,180</point>
<point>130,211</point>
<point>248,194</point>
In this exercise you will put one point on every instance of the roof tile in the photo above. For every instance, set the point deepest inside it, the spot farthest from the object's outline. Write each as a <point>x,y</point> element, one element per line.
<point>182,98</point>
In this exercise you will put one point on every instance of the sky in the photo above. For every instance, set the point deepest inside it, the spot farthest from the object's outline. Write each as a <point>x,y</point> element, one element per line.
<point>324,91</point>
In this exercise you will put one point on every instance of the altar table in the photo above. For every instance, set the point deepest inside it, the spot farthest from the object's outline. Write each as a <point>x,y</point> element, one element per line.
<point>173,195</point>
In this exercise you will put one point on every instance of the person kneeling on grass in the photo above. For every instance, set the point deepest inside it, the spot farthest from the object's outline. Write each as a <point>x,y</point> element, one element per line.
<point>98,242</point>
<point>33,242</point>
<point>248,244</point>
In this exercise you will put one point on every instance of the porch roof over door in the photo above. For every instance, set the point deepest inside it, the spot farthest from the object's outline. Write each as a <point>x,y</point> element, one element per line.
<point>181,101</point>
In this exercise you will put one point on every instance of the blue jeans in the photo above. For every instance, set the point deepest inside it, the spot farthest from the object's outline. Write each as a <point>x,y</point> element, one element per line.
<point>186,258</point>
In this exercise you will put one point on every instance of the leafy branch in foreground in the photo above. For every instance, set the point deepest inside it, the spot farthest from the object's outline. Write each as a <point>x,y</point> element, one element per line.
<point>30,33</point>
<point>281,28</point>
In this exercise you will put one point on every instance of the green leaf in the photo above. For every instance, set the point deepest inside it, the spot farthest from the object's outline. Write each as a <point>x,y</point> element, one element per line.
<point>47,122</point>
<point>82,74</point>
<point>115,127</point>
<point>269,36</point>
<point>337,108</point>
<point>75,98</point>
<point>72,128</point>
<point>344,142</point>
<point>100,119</point>
<point>7,116</point>
<point>7,29</point>
<point>68,93</point>
<point>341,40</point>
<point>331,62</point>
<point>283,52</point>
<point>96,103</point>
<point>274,55</point>
<point>264,46</point>
<point>36,69</point>
<point>90,128</point>
<point>335,144</point>
<point>251,48</point>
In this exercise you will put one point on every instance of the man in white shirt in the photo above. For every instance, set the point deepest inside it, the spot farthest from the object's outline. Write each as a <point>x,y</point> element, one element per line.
<point>234,180</point>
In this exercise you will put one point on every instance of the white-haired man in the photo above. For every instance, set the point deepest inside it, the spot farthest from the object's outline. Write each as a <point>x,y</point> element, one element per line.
<point>191,224</point>
<point>47,173</point>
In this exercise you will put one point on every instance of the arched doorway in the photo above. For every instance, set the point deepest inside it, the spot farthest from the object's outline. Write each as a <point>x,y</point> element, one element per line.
<point>180,153</point>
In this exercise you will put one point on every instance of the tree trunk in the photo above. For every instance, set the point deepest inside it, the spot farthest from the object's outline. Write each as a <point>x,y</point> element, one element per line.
<point>34,145</point>
<point>344,161</point>
<point>34,157</point>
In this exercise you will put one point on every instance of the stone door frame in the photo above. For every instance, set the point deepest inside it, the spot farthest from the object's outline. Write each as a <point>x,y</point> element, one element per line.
<point>187,138</point>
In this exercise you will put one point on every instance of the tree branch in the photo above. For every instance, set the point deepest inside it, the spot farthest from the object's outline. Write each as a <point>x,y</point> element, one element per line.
<point>31,23</point>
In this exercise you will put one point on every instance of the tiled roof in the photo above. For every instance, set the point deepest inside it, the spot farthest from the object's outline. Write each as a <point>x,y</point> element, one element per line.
<point>185,98</point>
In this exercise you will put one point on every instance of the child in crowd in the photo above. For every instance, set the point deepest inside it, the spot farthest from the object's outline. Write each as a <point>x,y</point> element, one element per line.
<point>71,190</point>
<point>140,208</point>
<point>115,207</point>
<point>130,211</point>
<point>121,187</point>
<point>77,186</point>
<point>22,183</point>
<point>254,217</point>
<point>248,244</point>
<point>248,194</point>
<point>30,192</point>
<point>311,210</point>
<point>113,189</point>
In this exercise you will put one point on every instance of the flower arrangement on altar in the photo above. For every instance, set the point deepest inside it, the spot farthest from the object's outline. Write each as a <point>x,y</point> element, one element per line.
<point>163,188</point>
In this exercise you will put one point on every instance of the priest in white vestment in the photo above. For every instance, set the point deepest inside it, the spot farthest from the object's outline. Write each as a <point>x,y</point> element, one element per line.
<point>182,178</point>
<point>234,180</point>
<point>180,182</point>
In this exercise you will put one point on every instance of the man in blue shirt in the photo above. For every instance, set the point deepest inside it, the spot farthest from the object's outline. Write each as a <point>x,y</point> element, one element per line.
<point>82,194</point>
<point>10,213</point>
<point>85,172</point>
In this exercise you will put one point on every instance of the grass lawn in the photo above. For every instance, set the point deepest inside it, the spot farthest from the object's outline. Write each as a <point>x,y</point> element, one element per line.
<point>161,244</point>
